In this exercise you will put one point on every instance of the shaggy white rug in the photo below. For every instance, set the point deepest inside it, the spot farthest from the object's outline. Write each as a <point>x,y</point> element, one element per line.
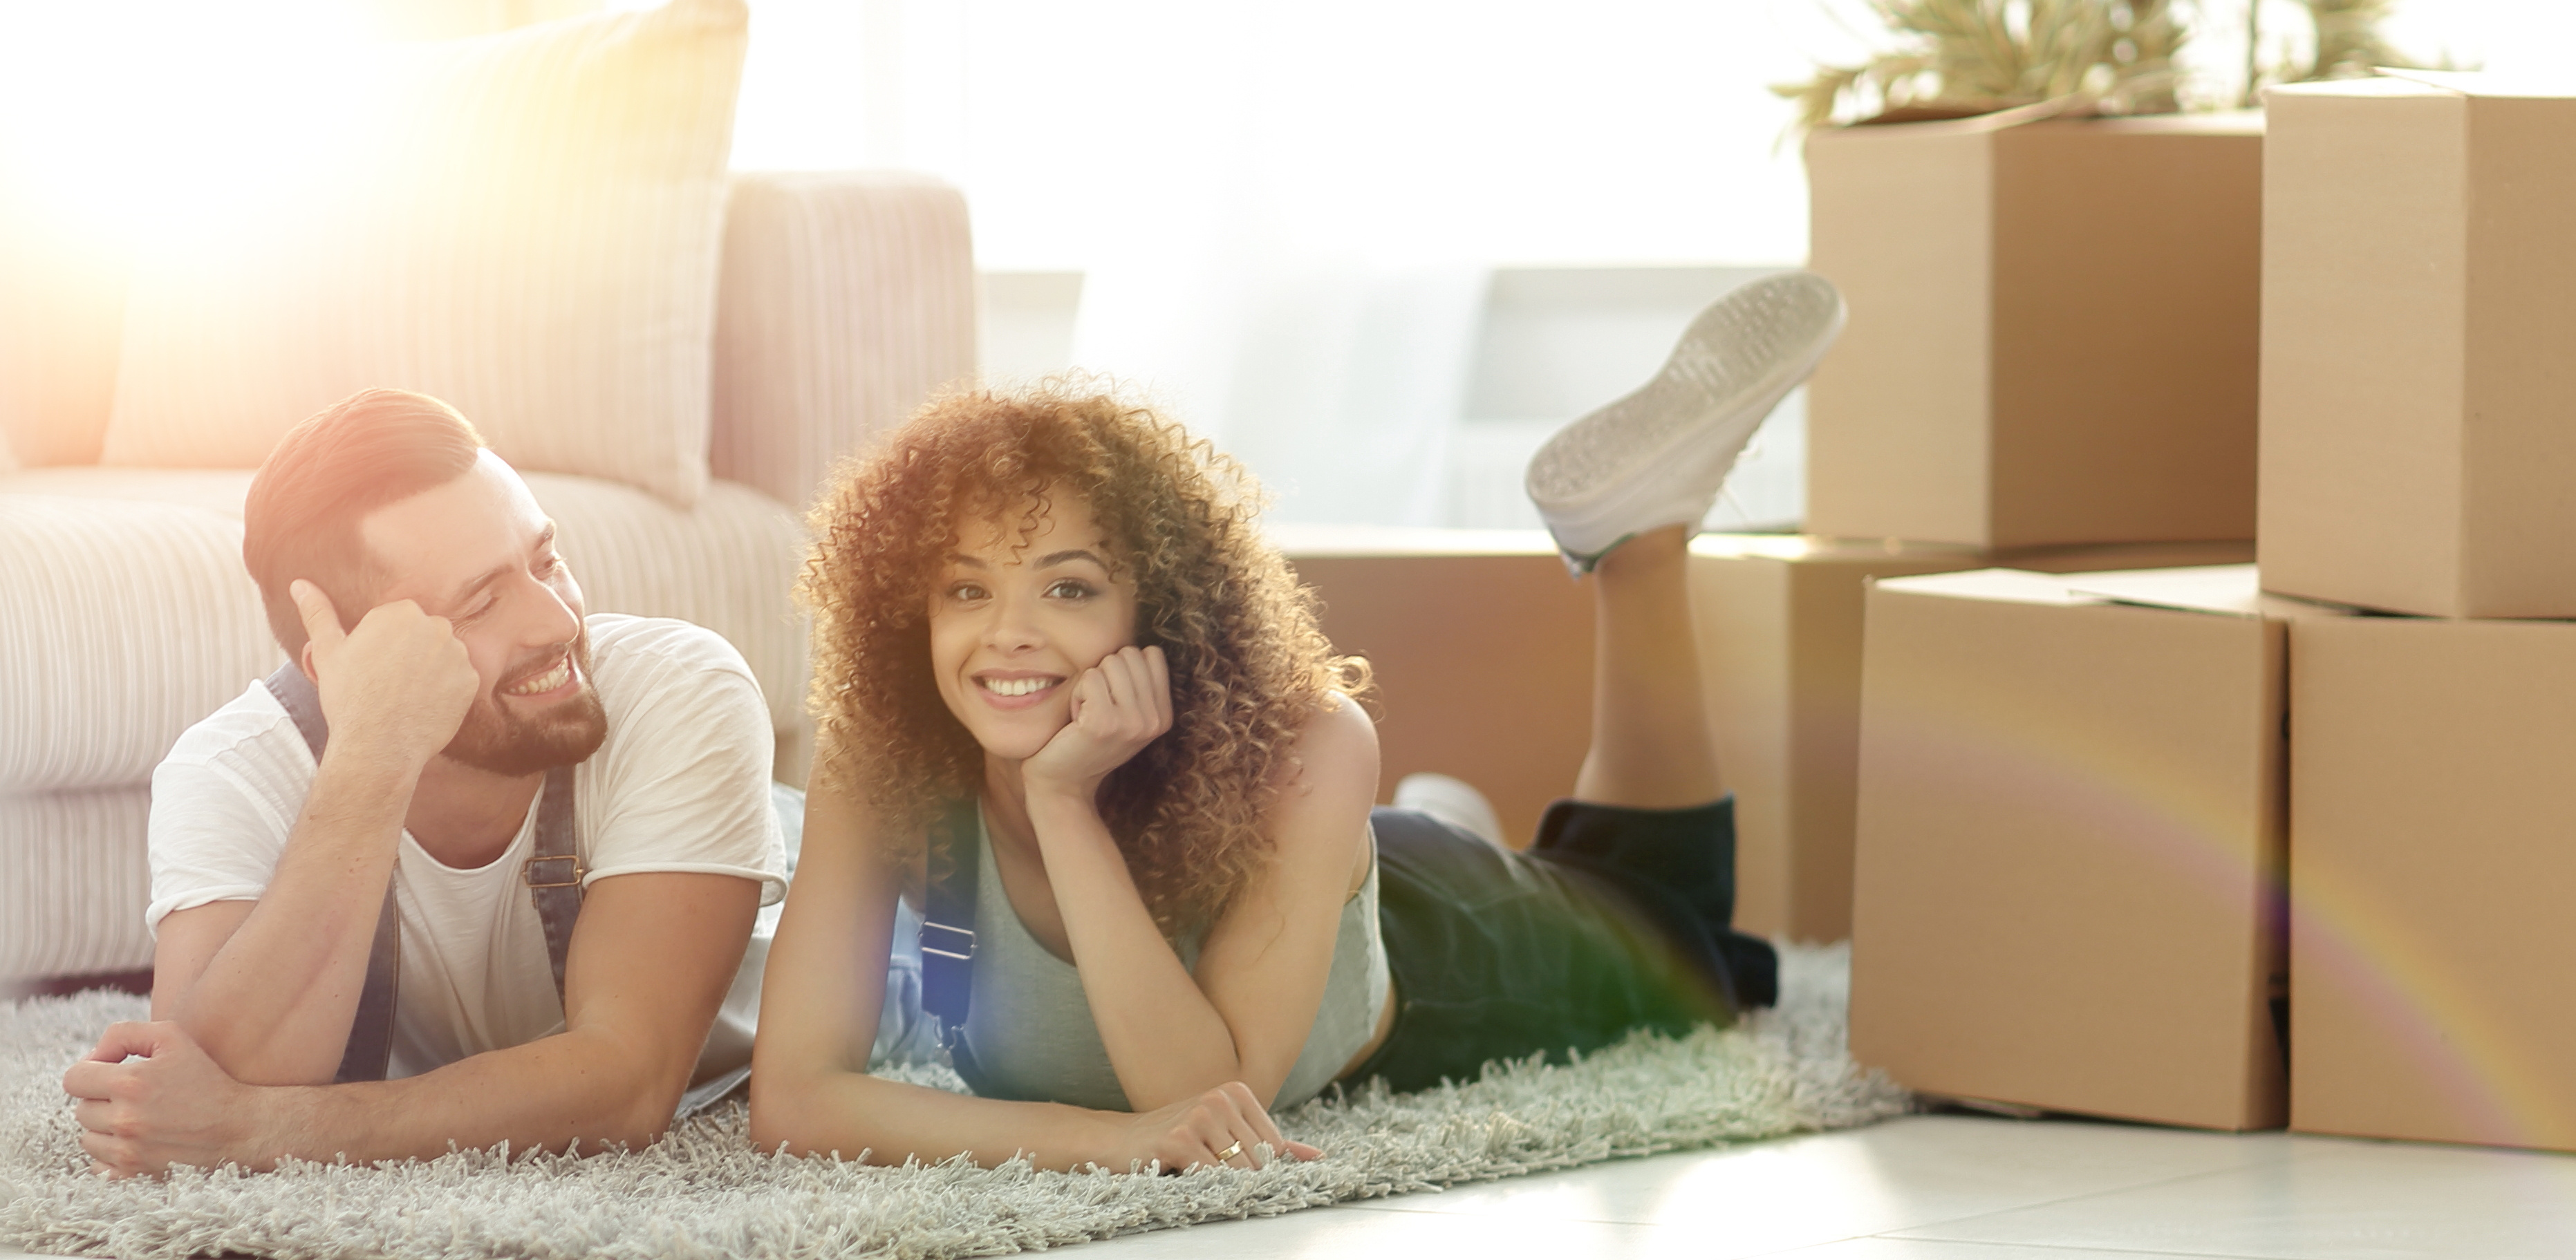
<point>704,1191</point>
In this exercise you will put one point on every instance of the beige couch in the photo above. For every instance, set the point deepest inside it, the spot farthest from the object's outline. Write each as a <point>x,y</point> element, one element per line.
<point>125,613</point>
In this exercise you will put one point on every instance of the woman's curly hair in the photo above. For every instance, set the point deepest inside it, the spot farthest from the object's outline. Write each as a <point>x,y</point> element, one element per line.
<point>1249,663</point>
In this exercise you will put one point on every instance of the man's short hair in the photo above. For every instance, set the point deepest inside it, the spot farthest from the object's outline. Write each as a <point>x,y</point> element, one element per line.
<point>375,447</point>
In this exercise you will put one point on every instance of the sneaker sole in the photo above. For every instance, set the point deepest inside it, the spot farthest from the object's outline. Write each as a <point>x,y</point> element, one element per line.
<point>1735,363</point>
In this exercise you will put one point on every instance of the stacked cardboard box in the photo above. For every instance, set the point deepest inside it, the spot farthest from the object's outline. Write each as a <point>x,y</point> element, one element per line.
<point>2069,808</point>
<point>2070,841</point>
<point>2053,339</point>
<point>2419,326</point>
<point>2433,861</point>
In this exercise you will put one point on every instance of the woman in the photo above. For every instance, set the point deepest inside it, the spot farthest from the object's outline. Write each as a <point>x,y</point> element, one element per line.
<point>1071,703</point>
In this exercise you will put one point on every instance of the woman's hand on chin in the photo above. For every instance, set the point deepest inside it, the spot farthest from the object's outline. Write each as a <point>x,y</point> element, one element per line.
<point>1119,706</point>
<point>1225,1122</point>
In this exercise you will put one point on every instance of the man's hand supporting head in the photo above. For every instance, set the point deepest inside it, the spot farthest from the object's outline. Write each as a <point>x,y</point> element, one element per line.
<point>395,688</point>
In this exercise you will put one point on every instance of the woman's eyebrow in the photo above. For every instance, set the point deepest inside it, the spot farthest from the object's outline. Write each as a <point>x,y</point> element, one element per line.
<point>1054,558</point>
<point>959,557</point>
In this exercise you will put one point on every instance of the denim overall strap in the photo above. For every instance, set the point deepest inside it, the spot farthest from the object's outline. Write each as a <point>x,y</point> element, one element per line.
<point>371,1033</point>
<point>554,875</point>
<point>948,932</point>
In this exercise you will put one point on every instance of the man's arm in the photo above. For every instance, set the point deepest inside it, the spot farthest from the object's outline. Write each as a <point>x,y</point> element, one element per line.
<point>652,956</point>
<point>268,988</point>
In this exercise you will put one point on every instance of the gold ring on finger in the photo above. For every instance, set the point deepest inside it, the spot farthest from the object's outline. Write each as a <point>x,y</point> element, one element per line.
<point>1229,1152</point>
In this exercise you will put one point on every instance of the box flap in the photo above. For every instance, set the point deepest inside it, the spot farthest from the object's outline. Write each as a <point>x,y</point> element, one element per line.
<point>2227,590</point>
<point>2542,84</point>
<point>2233,122</point>
<point>2392,81</point>
<point>2232,589</point>
<point>2016,586</point>
<point>2382,87</point>
<point>1932,118</point>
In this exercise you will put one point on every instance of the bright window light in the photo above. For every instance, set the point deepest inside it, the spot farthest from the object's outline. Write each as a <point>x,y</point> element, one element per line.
<point>127,115</point>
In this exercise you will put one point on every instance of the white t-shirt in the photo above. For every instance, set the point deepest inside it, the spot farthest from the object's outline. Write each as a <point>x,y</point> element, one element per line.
<point>680,784</point>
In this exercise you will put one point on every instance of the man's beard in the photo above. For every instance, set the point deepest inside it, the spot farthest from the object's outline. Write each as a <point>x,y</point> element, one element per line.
<point>494,740</point>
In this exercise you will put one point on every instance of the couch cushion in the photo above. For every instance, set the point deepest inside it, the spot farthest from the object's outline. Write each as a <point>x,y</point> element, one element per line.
<point>120,624</point>
<point>526,225</point>
<point>74,878</point>
<point>126,615</point>
<point>848,298</point>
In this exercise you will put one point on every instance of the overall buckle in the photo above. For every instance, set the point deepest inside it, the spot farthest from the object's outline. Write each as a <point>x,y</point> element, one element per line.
<point>959,942</point>
<point>566,875</point>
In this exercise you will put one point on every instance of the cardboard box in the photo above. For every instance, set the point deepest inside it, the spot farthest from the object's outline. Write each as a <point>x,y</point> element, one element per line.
<point>2419,319</point>
<point>2070,841</point>
<point>2053,329</point>
<point>1443,614</point>
<point>2433,871</point>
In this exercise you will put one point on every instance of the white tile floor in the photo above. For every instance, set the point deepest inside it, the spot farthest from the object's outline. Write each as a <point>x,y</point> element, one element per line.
<point>1959,1188</point>
<point>1956,1188</point>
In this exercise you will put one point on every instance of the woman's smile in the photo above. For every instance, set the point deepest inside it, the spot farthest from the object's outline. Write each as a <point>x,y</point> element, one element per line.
<point>1008,690</point>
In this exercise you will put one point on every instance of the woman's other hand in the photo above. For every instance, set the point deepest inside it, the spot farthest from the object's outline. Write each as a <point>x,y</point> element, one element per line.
<point>1119,706</point>
<point>1225,1125</point>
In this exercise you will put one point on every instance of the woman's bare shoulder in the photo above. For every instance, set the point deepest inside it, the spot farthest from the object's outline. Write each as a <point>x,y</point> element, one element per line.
<point>1339,734</point>
<point>1330,780</point>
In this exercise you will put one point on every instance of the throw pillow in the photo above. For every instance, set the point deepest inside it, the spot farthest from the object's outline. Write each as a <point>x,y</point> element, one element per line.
<point>526,225</point>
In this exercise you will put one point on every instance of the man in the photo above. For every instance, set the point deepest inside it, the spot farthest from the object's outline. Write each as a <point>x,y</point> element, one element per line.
<point>443,717</point>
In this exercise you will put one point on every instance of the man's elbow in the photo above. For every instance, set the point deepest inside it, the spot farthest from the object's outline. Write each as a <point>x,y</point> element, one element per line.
<point>639,1125</point>
<point>768,1136</point>
<point>770,1109</point>
<point>783,1109</point>
<point>635,1133</point>
<point>655,1108</point>
<point>642,1095</point>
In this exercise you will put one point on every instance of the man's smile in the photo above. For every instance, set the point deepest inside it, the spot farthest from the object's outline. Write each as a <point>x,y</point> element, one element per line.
<point>552,677</point>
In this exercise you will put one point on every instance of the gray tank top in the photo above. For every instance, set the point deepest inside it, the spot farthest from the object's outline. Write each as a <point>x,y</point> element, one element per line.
<point>1031,1026</point>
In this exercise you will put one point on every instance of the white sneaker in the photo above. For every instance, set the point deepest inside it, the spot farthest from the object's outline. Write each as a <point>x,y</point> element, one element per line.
<point>1451,800</point>
<point>1657,456</point>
